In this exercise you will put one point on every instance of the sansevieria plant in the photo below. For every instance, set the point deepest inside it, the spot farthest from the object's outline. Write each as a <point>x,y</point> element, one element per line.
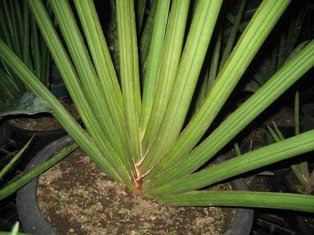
<point>135,121</point>
<point>19,31</point>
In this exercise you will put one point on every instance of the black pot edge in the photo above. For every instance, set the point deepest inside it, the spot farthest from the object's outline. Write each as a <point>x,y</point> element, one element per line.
<point>34,222</point>
<point>33,132</point>
<point>243,221</point>
<point>5,132</point>
<point>26,200</point>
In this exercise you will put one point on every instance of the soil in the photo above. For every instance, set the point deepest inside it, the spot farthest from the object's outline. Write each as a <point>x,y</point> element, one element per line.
<point>77,198</point>
<point>283,117</point>
<point>43,122</point>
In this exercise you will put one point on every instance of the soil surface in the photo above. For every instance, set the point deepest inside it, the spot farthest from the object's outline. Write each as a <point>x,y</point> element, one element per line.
<point>283,117</point>
<point>43,122</point>
<point>77,198</point>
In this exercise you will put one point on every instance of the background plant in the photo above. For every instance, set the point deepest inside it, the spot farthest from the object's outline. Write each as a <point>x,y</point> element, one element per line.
<point>301,170</point>
<point>19,31</point>
<point>285,41</point>
<point>135,131</point>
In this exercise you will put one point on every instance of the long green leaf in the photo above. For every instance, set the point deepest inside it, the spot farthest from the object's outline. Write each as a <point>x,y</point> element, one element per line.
<point>14,27</point>
<point>26,35</point>
<point>129,72</point>
<point>5,24</point>
<point>145,38</point>
<point>233,33</point>
<point>153,60</point>
<point>8,166</point>
<point>8,87</point>
<point>35,48</point>
<point>140,11</point>
<point>261,157</point>
<point>287,201</point>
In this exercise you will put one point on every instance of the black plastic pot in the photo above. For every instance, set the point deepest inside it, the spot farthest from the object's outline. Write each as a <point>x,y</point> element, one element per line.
<point>26,201</point>
<point>5,132</point>
<point>303,226</point>
<point>40,140</point>
<point>34,222</point>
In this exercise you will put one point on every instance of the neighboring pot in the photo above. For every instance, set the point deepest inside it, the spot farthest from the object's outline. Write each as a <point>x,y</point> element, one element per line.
<point>306,225</point>
<point>4,132</point>
<point>34,222</point>
<point>40,140</point>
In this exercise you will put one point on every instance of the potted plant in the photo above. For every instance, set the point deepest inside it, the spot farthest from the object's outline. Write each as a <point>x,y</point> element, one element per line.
<point>24,112</point>
<point>141,140</point>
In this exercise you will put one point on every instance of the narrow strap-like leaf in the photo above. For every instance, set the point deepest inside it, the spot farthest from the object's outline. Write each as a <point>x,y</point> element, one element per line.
<point>18,8</point>
<point>35,48</point>
<point>290,201</point>
<point>267,155</point>
<point>14,27</point>
<point>153,60</point>
<point>140,11</point>
<point>233,33</point>
<point>8,166</point>
<point>5,24</point>
<point>26,35</point>
<point>8,87</point>
<point>213,69</point>
<point>145,38</point>
<point>129,72</point>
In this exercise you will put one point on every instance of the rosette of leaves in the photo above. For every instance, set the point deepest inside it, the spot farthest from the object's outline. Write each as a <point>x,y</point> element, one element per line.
<point>135,120</point>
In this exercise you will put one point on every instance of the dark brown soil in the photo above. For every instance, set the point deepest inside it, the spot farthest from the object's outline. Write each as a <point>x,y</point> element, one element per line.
<point>77,198</point>
<point>282,118</point>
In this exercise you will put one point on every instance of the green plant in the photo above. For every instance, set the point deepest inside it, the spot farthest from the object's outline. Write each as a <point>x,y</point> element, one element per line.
<point>285,45</point>
<point>9,165</point>
<point>138,139</point>
<point>301,170</point>
<point>19,31</point>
